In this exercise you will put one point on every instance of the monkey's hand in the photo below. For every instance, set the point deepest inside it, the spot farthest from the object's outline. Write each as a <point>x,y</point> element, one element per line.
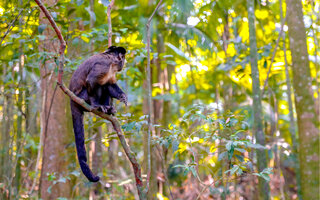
<point>123,98</point>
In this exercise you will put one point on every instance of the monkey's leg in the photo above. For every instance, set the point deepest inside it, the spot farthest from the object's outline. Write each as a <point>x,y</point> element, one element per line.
<point>106,100</point>
<point>94,100</point>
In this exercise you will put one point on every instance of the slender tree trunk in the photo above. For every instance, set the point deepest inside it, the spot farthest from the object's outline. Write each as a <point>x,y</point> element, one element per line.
<point>292,128</point>
<point>54,122</point>
<point>304,103</point>
<point>257,108</point>
<point>5,138</point>
<point>19,139</point>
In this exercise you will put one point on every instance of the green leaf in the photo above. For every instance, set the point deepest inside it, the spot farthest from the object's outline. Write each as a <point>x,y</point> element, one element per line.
<point>240,150</point>
<point>256,146</point>
<point>178,51</point>
<point>75,173</point>
<point>91,13</point>
<point>234,169</point>
<point>62,180</point>
<point>240,158</point>
<point>175,145</point>
<point>229,145</point>
<point>183,166</point>
<point>41,28</point>
<point>193,170</point>
<point>222,155</point>
<point>265,177</point>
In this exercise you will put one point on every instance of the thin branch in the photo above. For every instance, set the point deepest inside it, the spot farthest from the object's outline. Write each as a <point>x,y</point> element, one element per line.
<point>11,25</point>
<point>109,23</point>
<point>113,120</point>
<point>273,56</point>
<point>148,72</point>
<point>164,172</point>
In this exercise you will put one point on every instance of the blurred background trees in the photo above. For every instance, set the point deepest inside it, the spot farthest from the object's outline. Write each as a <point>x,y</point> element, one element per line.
<point>208,106</point>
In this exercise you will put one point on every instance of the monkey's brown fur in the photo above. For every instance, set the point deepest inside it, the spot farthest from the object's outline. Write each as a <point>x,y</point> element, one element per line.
<point>95,82</point>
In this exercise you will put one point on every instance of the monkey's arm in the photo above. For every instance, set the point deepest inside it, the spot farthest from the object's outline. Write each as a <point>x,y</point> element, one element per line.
<point>116,92</point>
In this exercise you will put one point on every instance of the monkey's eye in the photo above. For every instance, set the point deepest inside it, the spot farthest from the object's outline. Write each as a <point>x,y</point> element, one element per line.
<point>121,56</point>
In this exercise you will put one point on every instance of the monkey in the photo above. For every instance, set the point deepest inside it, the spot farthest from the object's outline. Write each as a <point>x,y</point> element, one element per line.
<point>95,82</point>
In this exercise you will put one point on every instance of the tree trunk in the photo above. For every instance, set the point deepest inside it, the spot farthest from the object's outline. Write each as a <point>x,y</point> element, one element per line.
<point>54,122</point>
<point>5,138</point>
<point>304,103</point>
<point>19,139</point>
<point>292,128</point>
<point>257,108</point>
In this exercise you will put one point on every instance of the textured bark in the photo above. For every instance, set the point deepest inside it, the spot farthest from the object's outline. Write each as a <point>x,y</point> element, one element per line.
<point>19,120</point>
<point>304,103</point>
<point>56,133</point>
<point>292,128</point>
<point>5,138</point>
<point>257,108</point>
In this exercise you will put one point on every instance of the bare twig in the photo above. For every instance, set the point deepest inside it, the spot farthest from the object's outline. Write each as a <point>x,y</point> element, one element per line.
<point>11,26</point>
<point>113,120</point>
<point>273,56</point>
<point>148,72</point>
<point>109,23</point>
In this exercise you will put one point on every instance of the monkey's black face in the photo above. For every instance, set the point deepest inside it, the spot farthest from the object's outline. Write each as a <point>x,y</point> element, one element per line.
<point>121,60</point>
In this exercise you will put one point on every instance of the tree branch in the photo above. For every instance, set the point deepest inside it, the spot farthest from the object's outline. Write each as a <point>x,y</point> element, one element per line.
<point>148,72</point>
<point>109,23</point>
<point>11,25</point>
<point>273,56</point>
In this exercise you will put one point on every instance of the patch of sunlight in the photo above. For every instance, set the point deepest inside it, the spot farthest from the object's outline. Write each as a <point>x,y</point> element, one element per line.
<point>220,29</point>
<point>105,141</point>
<point>315,94</point>
<point>269,29</point>
<point>193,140</point>
<point>132,39</point>
<point>161,197</point>
<point>182,147</point>
<point>206,86</point>
<point>192,43</point>
<point>211,162</point>
<point>231,51</point>
<point>156,91</point>
<point>310,44</point>
<point>261,14</point>
<point>221,55</point>
<point>244,30</point>
<point>193,21</point>
<point>182,71</point>
<point>199,65</point>
<point>212,149</point>
<point>1,11</point>
<point>285,27</point>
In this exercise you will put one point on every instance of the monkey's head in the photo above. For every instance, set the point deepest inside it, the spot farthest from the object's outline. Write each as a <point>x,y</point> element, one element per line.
<point>119,55</point>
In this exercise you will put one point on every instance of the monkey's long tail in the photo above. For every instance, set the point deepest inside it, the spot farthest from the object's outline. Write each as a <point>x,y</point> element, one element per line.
<point>77,118</point>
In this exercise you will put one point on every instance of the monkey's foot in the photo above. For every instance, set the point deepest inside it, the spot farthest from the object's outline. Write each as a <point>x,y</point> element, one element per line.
<point>123,98</point>
<point>111,110</point>
<point>101,108</point>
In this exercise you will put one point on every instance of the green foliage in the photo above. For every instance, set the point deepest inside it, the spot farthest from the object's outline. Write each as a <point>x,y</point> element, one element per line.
<point>201,131</point>
<point>200,69</point>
